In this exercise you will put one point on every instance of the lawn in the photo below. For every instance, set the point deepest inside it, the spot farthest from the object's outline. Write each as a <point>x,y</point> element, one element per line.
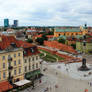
<point>50,57</point>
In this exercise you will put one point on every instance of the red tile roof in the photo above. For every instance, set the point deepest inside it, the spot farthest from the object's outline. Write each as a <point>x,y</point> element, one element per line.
<point>60,46</point>
<point>7,40</point>
<point>50,36</point>
<point>37,36</point>
<point>4,86</point>
<point>25,44</point>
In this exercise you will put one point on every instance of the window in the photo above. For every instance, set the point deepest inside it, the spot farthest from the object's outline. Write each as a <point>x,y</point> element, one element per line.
<point>19,61</point>
<point>4,75</point>
<point>29,67</point>
<point>19,70</point>
<point>29,60</point>
<point>25,68</point>
<point>24,52</point>
<point>36,57</point>
<point>15,63</point>
<point>25,61</point>
<point>32,50</point>
<point>9,56</point>
<point>14,55</point>
<point>3,58</point>
<point>18,54</point>
<point>33,59</point>
<point>13,45</point>
<point>3,65</point>
<point>14,72</point>
<point>36,65</point>
<point>33,66</point>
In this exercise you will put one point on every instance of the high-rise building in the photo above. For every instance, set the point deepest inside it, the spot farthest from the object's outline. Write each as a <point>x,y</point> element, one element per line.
<point>6,22</point>
<point>15,23</point>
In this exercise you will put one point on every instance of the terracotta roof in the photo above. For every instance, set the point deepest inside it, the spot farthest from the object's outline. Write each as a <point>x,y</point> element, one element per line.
<point>50,36</point>
<point>25,44</point>
<point>27,47</point>
<point>7,40</point>
<point>4,86</point>
<point>90,33</point>
<point>60,46</point>
<point>36,36</point>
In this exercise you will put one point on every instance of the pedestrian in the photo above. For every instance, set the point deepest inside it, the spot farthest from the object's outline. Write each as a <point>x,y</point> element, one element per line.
<point>86,90</point>
<point>90,84</point>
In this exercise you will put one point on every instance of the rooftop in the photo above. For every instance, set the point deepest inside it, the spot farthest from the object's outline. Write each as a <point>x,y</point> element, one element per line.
<point>4,86</point>
<point>68,30</point>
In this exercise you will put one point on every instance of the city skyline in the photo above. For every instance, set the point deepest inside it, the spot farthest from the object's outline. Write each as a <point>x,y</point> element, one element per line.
<point>47,13</point>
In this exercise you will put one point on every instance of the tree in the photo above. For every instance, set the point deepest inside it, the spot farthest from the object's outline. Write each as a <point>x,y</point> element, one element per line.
<point>44,37</point>
<point>50,33</point>
<point>73,45</point>
<point>40,41</point>
<point>29,40</point>
<point>61,40</point>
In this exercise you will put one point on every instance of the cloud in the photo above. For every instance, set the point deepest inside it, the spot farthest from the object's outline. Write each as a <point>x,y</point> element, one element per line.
<point>47,12</point>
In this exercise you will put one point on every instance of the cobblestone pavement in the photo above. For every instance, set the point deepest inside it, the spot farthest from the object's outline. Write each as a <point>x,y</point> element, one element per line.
<point>47,85</point>
<point>64,83</point>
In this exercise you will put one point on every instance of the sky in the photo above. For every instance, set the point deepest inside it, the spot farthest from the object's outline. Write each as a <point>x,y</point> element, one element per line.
<point>47,12</point>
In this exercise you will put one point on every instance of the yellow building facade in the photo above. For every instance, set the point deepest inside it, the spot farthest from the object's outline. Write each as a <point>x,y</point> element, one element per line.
<point>19,60</point>
<point>15,57</point>
<point>70,31</point>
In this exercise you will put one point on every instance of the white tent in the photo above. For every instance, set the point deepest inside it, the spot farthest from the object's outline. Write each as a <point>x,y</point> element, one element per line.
<point>22,82</point>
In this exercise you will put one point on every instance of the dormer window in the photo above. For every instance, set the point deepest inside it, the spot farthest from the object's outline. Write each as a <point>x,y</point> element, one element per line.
<point>32,50</point>
<point>24,52</point>
<point>13,45</point>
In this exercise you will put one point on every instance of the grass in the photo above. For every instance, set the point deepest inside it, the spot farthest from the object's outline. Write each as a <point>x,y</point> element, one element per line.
<point>41,54</point>
<point>50,57</point>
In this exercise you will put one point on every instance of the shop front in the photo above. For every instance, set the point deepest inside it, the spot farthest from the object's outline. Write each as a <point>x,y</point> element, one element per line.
<point>33,74</point>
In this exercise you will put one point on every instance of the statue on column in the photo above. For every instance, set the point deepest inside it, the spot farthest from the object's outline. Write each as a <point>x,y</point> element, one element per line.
<point>84,66</point>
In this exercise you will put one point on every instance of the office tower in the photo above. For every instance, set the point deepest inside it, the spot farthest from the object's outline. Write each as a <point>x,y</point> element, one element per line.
<point>6,22</point>
<point>15,23</point>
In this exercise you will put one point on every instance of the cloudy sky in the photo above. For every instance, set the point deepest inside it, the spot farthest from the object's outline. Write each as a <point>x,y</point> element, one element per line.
<point>47,12</point>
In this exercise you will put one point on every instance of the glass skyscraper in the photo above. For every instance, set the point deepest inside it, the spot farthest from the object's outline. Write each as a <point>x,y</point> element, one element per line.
<point>6,22</point>
<point>15,23</point>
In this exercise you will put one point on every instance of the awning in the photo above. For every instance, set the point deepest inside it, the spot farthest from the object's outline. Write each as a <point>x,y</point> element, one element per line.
<point>22,82</point>
<point>4,86</point>
<point>33,73</point>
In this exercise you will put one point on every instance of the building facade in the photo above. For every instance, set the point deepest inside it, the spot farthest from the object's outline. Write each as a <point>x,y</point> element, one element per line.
<point>15,23</point>
<point>70,31</point>
<point>19,60</point>
<point>32,64</point>
<point>87,49</point>
<point>11,60</point>
<point>6,22</point>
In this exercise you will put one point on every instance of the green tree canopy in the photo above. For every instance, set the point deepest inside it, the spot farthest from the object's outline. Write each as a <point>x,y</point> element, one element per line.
<point>29,40</point>
<point>73,45</point>
<point>40,41</point>
<point>61,40</point>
